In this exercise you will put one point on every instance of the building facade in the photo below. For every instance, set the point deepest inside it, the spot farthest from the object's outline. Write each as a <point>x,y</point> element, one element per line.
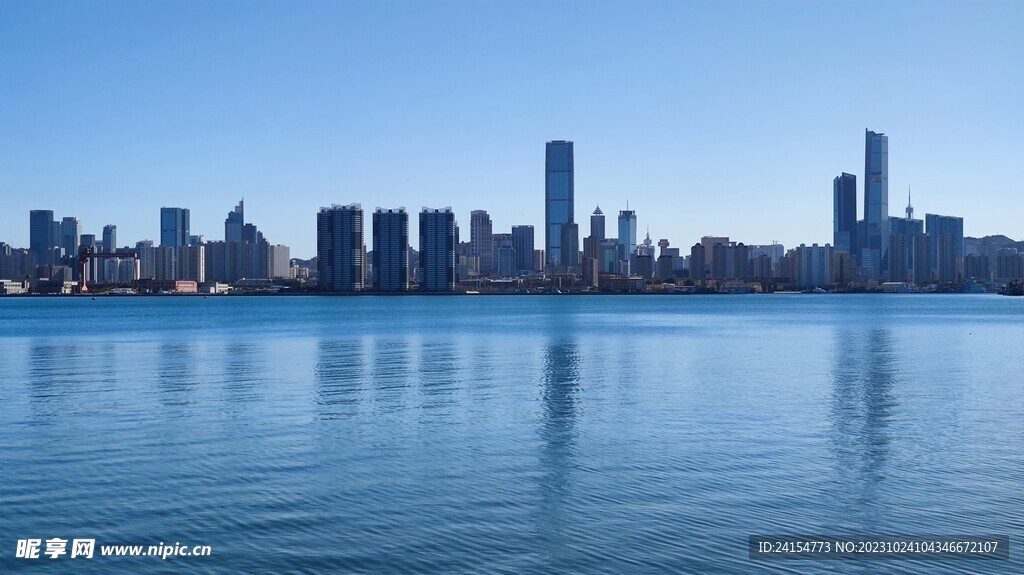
<point>390,250</point>
<point>559,197</point>
<point>341,254</point>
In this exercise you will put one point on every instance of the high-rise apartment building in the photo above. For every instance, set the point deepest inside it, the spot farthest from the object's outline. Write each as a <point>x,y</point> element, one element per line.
<point>390,249</point>
<point>438,240</point>
<point>945,246</point>
<point>522,242</point>
<point>481,240</point>
<point>341,254</point>
<point>559,197</point>
<point>844,213</point>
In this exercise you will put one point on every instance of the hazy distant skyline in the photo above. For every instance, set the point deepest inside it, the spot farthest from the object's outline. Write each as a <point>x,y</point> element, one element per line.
<point>717,118</point>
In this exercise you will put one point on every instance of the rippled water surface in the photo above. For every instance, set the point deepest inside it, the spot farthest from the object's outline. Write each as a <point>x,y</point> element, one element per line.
<point>507,434</point>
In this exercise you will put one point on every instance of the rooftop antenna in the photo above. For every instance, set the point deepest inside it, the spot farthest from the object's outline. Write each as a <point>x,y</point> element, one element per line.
<point>910,208</point>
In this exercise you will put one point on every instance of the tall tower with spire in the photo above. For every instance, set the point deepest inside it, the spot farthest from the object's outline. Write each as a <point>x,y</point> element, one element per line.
<point>910,208</point>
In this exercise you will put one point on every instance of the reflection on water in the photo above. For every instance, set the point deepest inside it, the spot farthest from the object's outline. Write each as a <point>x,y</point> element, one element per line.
<point>340,379</point>
<point>174,378</point>
<point>560,390</point>
<point>864,404</point>
<point>514,435</point>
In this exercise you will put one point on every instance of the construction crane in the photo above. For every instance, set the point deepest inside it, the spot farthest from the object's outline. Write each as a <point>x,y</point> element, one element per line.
<point>86,254</point>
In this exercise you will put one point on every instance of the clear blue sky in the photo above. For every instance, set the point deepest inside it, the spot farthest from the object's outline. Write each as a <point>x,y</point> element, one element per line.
<point>712,118</point>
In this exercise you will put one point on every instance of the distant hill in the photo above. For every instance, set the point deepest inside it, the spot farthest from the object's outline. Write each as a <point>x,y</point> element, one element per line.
<point>990,245</point>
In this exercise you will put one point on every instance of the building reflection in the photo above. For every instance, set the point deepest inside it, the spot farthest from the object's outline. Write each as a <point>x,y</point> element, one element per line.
<point>862,412</point>
<point>175,378</point>
<point>560,397</point>
<point>439,377</point>
<point>340,377</point>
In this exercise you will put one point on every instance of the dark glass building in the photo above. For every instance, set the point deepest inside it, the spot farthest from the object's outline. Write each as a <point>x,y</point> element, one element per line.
<point>844,213</point>
<point>945,246</point>
<point>341,255</point>
<point>876,203</point>
<point>558,198</point>
<point>41,234</point>
<point>390,250</point>
<point>439,237</point>
<point>522,242</point>
<point>174,227</point>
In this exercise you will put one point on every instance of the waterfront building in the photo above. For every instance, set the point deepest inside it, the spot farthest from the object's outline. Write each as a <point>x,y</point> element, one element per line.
<point>559,197</point>
<point>506,258</point>
<point>645,266</point>
<point>570,248</point>
<point>945,246</point>
<point>663,267</point>
<point>280,261</point>
<point>390,250</point>
<point>977,267</point>
<point>42,233</point>
<point>697,261</point>
<point>70,240</point>
<point>921,271</point>
<point>844,213</point>
<point>522,242</point>
<point>174,227</point>
<point>813,266</point>
<point>110,238</point>
<point>627,239</point>
<point>190,263</point>
<point>234,222</point>
<point>438,241</point>
<point>876,203</point>
<point>1009,265</point>
<point>481,241</point>
<point>341,254</point>
<point>903,231</point>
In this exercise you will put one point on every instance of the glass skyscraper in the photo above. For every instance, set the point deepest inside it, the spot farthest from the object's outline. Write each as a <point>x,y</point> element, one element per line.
<point>174,227</point>
<point>844,216</point>
<point>627,238</point>
<point>558,198</point>
<point>945,246</point>
<point>41,236</point>
<point>439,237</point>
<point>876,202</point>
<point>390,250</point>
<point>522,242</point>
<point>341,255</point>
<point>234,223</point>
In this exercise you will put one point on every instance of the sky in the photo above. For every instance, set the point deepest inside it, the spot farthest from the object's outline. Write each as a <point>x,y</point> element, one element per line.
<point>726,118</point>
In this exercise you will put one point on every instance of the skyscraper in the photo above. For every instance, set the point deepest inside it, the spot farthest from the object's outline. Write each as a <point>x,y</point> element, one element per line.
<point>945,246</point>
<point>390,250</point>
<point>174,227</point>
<point>876,203</point>
<point>40,234</point>
<point>597,224</point>
<point>844,213</point>
<point>570,246</point>
<point>70,238</point>
<point>110,238</point>
<point>522,242</point>
<point>234,223</point>
<point>481,240</point>
<point>558,197</point>
<point>627,237</point>
<point>438,240</point>
<point>341,255</point>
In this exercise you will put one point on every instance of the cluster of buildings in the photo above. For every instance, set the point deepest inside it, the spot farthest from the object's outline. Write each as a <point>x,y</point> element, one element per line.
<point>61,256</point>
<point>867,253</point>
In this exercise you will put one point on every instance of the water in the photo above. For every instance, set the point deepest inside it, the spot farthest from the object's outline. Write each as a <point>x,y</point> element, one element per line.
<point>507,434</point>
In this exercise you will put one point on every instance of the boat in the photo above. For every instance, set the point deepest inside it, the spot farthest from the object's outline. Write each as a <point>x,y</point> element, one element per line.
<point>1014,288</point>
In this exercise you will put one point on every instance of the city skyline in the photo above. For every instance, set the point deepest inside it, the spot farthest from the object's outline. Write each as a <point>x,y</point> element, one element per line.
<point>726,133</point>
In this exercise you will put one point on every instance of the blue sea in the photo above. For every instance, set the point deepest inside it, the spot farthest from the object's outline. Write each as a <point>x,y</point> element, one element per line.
<point>520,434</point>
